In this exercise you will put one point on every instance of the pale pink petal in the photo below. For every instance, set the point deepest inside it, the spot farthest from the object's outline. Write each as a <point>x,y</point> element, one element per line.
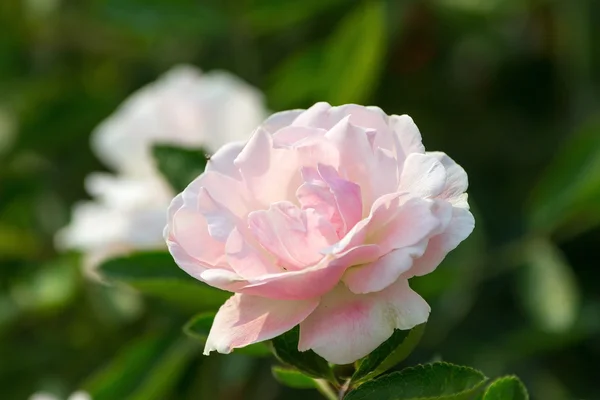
<point>268,172</point>
<point>323,115</point>
<point>379,274</point>
<point>220,220</point>
<point>190,230</point>
<point>346,326</point>
<point>222,278</point>
<point>294,236</point>
<point>291,136</point>
<point>422,176</point>
<point>357,161</point>
<point>280,120</point>
<point>459,228</point>
<point>224,190</point>
<point>310,144</point>
<point>386,178</point>
<point>347,196</point>
<point>401,230</point>
<point>309,282</point>
<point>407,136</point>
<point>316,116</point>
<point>217,274</point>
<point>457,181</point>
<point>366,117</point>
<point>247,258</point>
<point>222,160</point>
<point>314,193</point>
<point>382,210</point>
<point>382,221</point>
<point>399,224</point>
<point>245,319</point>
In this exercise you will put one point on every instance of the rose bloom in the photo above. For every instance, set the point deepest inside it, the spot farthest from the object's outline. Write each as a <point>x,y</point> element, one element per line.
<point>184,108</point>
<point>320,220</point>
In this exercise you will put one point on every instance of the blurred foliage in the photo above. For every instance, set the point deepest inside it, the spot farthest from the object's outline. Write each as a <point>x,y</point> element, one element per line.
<point>509,88</point>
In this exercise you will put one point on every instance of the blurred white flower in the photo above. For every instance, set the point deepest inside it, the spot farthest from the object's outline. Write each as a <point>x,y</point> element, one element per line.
<point>183,108</point>
<point>47,396</point>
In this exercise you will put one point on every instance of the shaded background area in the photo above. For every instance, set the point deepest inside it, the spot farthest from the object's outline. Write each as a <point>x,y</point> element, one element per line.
<point>509,89</point>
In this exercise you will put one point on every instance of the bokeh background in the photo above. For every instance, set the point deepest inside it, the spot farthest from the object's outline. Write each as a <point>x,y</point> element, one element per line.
<point>509,88</point>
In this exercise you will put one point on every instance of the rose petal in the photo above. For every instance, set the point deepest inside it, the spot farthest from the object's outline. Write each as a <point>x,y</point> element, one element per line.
<point>247,258</point>
<point>245,319</point>
<point>401,230</point>
<point>407,137</point>
<point>347,196</point>
<point>189,230</point>
<point>379,274</point>
<point>268,172</point>
<point>422,176</point>
<point>294,236</point>
<point>457,181</point>
<point>346,326</point>
<point>280,120</point>
<point>222,160</point>
<point>459,228</point>
<point>291,136</point>
<point>309,282</point>
<point>316,116</point>
<point>224,190</point>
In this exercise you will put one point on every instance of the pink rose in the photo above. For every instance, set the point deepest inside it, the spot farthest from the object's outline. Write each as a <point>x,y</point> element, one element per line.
<point>320,220</point>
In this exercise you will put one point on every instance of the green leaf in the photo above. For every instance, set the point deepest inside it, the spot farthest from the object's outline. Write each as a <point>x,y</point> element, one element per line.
<point>126,370</point>
<point>439,381</point>
<point>298,78</point>
<point>354,54</point>
<point>570,187</point>
<point>549,288</point>
<point>52,287</point>
<point>165,374</point>
<point>293,378</point>
<point>271,15</point>
<point>342,69</point>
<point>156,274</point>
<point>506,388</point>
<point>147,368</point>
<point>179,166</point>
<point>388,354</point>
<point>286,349</point>
<point>199,326</point>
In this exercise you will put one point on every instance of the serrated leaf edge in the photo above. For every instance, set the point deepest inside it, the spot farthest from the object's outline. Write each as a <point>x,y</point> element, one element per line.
<point>497,381</point>
<point>423,366</point>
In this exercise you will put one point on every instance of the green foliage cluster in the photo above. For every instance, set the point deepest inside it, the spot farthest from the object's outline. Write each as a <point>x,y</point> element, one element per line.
<point>509,88</point>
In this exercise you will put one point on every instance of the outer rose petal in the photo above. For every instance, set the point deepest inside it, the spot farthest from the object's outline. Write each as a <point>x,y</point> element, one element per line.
<point>347,326</point>
<point>460,227</point>
<point>407,136</point>
<point>245,319</point>
<point>422,176</point>
<point>268,172</point>
<point>280,120</point>
<point>222,160</point>
<point>457,181</point>
<point>383,272</point>
<point>247,258</point>
<point>357,160</point>
<point>190,230</point>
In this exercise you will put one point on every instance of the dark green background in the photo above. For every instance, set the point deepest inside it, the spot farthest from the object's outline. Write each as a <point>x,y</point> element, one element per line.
<point>509,89</point>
